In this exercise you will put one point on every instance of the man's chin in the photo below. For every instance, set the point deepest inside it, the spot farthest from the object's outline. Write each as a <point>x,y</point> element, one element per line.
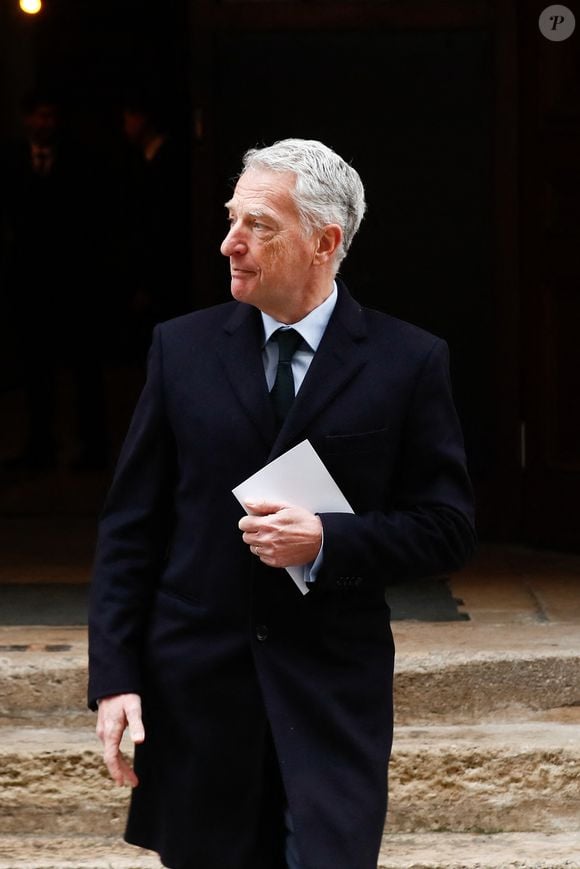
<point>241,290</point>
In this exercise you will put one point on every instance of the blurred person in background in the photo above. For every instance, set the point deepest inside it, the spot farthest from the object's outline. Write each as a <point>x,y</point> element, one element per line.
<point>53,211</point>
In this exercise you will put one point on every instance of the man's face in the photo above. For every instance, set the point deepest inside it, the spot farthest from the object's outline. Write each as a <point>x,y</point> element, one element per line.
<point>42,123</point>
<point>134,125</point>
<point>270,255</point>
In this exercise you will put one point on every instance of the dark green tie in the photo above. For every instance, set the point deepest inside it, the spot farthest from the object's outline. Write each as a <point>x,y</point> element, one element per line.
<point>282,392</point>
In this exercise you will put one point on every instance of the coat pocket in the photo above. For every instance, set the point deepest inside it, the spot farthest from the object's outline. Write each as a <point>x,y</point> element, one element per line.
<point>361,464</point>
<point>359,442</point>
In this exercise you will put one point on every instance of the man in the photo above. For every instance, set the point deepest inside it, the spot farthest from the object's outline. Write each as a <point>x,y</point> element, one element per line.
<point>267,714</point>
<point>51,209</point>
<point>157,194</point>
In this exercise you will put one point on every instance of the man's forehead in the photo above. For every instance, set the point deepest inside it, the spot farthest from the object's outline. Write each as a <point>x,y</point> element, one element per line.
<point>262,190</point>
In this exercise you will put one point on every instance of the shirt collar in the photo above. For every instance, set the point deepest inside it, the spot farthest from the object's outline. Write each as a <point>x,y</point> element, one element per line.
<point>311,327</point>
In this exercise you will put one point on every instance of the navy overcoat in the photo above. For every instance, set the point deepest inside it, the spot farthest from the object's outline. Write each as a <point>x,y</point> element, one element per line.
<point>227,653</point>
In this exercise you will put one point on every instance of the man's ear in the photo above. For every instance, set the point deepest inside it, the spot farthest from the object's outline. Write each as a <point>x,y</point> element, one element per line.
<point>329,239</point>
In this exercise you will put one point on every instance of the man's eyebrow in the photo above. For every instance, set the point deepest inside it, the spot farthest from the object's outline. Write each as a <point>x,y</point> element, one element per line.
<point>259,212</point>
<point>252,212</point>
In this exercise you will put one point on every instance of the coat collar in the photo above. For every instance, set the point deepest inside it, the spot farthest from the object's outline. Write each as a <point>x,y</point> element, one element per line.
<point>339,358</point>
<point>241,355</point>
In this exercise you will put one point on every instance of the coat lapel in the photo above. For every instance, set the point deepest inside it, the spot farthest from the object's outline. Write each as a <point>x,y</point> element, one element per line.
<point>240,353</point>
<point>339,358</point>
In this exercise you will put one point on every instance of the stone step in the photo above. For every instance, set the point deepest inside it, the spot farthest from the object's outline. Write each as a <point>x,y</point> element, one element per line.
<point>468,778</point>
<point>497,851</point>
<point>54,781</point>
<point>72,852</point>
<point>486,778</point>
<point>462,672</point>
<point>43,676</point>
<point>398,851</point>
<point>455,673</point>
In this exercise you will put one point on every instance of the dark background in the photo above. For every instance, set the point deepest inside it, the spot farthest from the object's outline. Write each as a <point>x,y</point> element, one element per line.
<point>463,122</point>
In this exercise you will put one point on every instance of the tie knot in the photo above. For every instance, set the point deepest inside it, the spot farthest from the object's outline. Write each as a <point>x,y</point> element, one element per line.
<point>288,341</point>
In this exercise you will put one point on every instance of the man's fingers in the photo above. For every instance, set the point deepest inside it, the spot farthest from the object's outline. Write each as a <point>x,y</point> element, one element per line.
<point>112,733</point>
<point>115,714</point>
<point>258,511</point>
<point>110,728</point>
<point>112,758</point>
<point>120,771</point>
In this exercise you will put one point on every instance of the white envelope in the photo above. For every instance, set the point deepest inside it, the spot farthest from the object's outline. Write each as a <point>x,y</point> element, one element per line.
<point>297,477</point>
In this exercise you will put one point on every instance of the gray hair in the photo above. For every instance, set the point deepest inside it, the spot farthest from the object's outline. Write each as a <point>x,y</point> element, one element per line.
<point>328,189</point>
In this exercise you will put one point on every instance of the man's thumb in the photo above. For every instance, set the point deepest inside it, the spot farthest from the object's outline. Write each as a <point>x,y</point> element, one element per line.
<point>263,508</point>
<point>136,729</point>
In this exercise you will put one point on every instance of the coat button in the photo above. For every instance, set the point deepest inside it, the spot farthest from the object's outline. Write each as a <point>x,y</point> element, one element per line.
<point>261,633</point>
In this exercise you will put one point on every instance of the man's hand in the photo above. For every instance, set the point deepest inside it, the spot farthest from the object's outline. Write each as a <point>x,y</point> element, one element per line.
<point>115,714</point>
<point>282,535</point>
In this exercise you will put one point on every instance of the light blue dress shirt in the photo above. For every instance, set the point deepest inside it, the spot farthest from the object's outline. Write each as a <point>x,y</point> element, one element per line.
<point>311,328</point>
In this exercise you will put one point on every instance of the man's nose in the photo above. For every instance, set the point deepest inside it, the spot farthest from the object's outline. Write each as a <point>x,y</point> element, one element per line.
<point>233,243</point>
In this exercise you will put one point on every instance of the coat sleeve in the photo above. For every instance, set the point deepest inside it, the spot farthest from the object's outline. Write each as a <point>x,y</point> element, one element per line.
<point>427,526</point>
<point>132,541</point>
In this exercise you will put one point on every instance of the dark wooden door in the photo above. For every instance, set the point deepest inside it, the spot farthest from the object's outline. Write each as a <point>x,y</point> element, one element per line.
<point>550,280</point>
<point>405,93</point>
